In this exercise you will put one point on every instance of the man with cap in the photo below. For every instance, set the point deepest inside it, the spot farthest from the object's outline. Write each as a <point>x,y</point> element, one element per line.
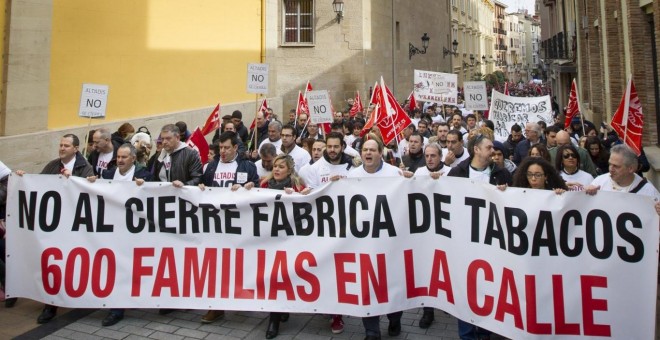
<point>241,130</point>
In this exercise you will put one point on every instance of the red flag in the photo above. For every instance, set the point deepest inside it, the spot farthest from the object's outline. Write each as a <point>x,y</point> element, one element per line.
<point>628,119</point>
<point>264,109</point>
<point>412,103</point>
<point>392,119</point>
<point>308,88</point>
<point>197,142</point>
<point>506,88</point>
<point>573,107</point>
<point>357,105</point>
<point>212,122</point>
<point>302,105</point>
<point>375,99</point>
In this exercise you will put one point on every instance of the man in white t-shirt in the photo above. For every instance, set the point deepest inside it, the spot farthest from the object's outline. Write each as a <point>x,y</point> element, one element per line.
<point>456,152</point>
<point>333,165</point>
<point>434,166</point>
<point>622,176</point>
<point>274,134</point>
<point>317,153</point>
<point>374,166</point>
<point>267,154</point>
<point>289,147</point>
<point>104,156</point>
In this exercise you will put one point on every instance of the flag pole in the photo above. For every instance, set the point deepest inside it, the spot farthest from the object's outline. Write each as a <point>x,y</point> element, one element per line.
<point>577,99</point>
<point>626,108</point>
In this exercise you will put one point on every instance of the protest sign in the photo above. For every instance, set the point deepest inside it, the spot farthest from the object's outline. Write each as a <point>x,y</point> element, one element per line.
<point>93,101</point>
<point>435,87</point>
<point>505,111</point>
<point>476,97</point>
<point>257,78</point>
<point>522,263</point>
<point>320,108</point>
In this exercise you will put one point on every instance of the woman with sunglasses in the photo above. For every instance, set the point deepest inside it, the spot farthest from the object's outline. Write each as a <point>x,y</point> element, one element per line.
<point>537,173</point>
<point>567,163</point>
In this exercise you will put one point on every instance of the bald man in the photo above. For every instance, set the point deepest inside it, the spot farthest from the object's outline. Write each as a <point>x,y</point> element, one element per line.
<point>563,138</point>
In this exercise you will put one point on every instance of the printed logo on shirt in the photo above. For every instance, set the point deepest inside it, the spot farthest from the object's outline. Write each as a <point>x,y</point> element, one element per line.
<point>224,179</point>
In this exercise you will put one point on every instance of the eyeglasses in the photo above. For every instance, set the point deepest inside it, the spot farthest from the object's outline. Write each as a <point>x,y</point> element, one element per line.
<point>569,155</point>
<point>536,175</point>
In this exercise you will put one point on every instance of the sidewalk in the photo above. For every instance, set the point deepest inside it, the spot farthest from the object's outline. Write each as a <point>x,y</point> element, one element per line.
<point>19,322</point>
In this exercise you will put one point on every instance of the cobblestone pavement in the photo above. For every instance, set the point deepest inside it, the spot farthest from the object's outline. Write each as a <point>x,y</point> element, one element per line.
<point>185,324</point>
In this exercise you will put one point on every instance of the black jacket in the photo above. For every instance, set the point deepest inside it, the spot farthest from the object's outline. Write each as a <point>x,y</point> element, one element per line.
<point>413,162</point>
<point>80,168</point>
<point>94,158</point>
<point>186,167</point>
<point>498,176</point>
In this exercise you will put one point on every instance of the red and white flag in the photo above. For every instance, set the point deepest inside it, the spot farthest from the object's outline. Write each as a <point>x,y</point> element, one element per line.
<point>392,119</point>
<point>412,103</point>
<point>212,122</point>
<point>573,107</point>
<point>373,116</point>
<point>628,119</point>
<point>263,109</point>
<point>357,105</point>
<point>197,142</point>
<point>302,105</point>
<point>308,88</point>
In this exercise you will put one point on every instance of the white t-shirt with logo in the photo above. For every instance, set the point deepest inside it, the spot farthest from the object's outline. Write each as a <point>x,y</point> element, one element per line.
<point>480,176</point>
<point>103,161</point>
<point>319,173</point>
<point>225,174</point>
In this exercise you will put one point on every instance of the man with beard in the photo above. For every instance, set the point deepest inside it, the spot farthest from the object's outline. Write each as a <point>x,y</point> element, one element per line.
<point>265,164</point>
<point>456,152</point>
<point>374,166</point>
<point>457,123</point>
<point>289,147</point>
<point>434,166</point>
<point>414,159</point>
<point>333,165</point>
<point>126,170</point>
<point>443,130</point>
<point>479,167</point>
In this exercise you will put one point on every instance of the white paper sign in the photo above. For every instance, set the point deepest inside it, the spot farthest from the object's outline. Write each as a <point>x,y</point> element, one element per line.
<point>320,109</point>
<point>476,97</point>
<point>505,111</point>
<point>436,87</point>
<point>93,101</point>
<point>257,78</point>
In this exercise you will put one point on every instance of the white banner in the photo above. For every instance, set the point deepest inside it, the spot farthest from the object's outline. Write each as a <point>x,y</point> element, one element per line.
<point>93,101</point>
<point>320,108</point>
<point>476,97</point>
<point>505,111</point>
<point>522,263</point>
<point>435,87</point>
<point>257,78</point>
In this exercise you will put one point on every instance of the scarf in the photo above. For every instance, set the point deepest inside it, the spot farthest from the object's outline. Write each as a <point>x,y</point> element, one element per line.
<point>273,184</point>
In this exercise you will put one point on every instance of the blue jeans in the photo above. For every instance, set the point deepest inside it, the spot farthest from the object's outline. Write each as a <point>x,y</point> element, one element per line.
<point>468,331</point>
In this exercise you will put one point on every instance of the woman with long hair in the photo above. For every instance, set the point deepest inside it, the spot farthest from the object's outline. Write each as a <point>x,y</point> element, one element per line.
<point>567,163</point>
<point>537,173</point>
<point>599,155</point>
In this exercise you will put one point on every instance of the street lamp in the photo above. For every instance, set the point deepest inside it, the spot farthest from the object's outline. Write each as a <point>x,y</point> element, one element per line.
<point>412,50</point>
<point>454,48</point>
<point>338,7</point>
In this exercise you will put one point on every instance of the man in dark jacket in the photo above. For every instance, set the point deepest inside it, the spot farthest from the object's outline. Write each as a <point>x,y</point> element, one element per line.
<point>261,129</point>
<point>512,141</point>
<point>69,163</point>
<point>104,156</point>
<point>241,130</point>
<point>228,168</point>
<point>415,157</point>
<point>177,163</point>
<point>479,167</point>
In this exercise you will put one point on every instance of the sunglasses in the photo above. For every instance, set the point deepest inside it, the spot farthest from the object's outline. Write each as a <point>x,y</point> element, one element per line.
<point>569,155</point>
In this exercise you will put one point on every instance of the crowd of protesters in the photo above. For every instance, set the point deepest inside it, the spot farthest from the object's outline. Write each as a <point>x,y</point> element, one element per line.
<point>298,156</point>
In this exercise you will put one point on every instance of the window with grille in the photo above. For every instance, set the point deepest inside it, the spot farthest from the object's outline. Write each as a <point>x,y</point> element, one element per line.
<point>298,22</point>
